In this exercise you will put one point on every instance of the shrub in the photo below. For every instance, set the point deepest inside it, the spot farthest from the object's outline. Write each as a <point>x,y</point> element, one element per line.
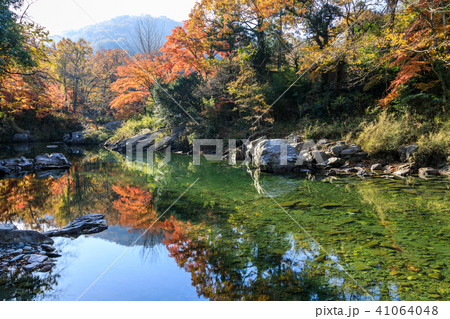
<point>434,148</point>
<point>97,137</point>
<point>386,134</point>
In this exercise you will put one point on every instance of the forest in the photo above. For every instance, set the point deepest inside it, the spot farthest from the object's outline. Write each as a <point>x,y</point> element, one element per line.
<point>375,73</point>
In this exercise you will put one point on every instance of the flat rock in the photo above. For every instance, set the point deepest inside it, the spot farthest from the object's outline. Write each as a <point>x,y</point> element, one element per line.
<point>88,224</point>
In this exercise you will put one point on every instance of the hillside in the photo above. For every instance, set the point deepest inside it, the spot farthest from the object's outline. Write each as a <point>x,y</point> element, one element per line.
<point>120,29</point>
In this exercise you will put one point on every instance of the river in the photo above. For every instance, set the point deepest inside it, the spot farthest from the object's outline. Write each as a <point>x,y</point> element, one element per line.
<point>233,235</point>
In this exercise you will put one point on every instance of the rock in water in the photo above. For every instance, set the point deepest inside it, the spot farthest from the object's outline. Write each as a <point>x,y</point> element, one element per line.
<point>277,155</point>
<point>426,172</point>
<point>56,160</point>
<point>23,236</point>
<point>88,224</point>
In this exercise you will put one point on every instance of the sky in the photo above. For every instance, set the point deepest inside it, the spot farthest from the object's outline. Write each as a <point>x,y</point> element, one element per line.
<point>62,15</point>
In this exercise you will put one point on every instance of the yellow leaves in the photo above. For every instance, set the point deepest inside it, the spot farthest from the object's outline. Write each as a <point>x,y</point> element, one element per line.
<point>426,86</point>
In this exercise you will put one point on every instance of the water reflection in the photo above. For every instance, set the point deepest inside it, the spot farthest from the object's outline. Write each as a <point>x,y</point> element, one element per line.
<point>226,241</point>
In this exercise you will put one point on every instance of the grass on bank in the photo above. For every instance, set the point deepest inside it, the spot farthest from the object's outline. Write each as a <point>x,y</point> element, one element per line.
<point>134,126</point>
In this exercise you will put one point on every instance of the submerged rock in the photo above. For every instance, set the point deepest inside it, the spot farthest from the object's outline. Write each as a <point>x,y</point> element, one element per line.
<point>88,224</point>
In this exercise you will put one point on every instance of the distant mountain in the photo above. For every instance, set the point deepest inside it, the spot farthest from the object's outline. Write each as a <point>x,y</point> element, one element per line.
<point>120,29</point>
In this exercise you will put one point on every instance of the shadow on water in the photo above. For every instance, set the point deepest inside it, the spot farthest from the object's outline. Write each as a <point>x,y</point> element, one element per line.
<point>237,244</point>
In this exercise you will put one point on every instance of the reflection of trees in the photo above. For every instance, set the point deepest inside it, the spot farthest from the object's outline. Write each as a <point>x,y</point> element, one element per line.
<point>23,286</point>
<point>23,197</point>
<point>220,270</point>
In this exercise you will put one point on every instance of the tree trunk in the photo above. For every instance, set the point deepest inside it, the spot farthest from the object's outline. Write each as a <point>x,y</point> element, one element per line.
<point>75,96</point>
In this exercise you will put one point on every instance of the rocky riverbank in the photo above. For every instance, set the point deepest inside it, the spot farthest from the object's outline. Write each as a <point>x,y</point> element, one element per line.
<point>19,167</point>
<point>332,159</point>
<point>31,251</point>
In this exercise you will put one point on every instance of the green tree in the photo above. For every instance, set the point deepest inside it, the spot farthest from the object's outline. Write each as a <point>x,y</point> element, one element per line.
<point>71,64</point>
<point>14,51</point>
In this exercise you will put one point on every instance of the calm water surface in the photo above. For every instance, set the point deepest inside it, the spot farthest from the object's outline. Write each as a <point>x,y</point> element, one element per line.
<point>226,239</point>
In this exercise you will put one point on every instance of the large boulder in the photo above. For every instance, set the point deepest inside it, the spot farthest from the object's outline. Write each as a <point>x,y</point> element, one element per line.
<point>277,155</point>
<point>144,141</point>
<point>53,161</point>
<point>14,236</point>
<point>88,224</point>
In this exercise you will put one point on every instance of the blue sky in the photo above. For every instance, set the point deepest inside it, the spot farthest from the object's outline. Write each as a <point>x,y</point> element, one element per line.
<point>60,15</point>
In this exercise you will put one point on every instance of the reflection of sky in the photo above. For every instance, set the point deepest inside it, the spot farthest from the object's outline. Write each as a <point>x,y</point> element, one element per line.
<point>133,277</point>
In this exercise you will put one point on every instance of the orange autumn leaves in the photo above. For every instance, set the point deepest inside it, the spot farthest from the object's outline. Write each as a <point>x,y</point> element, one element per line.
<point>135,206</point>
<point>29,92</point>
<point>184,52</point>
<point>419,48</point>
